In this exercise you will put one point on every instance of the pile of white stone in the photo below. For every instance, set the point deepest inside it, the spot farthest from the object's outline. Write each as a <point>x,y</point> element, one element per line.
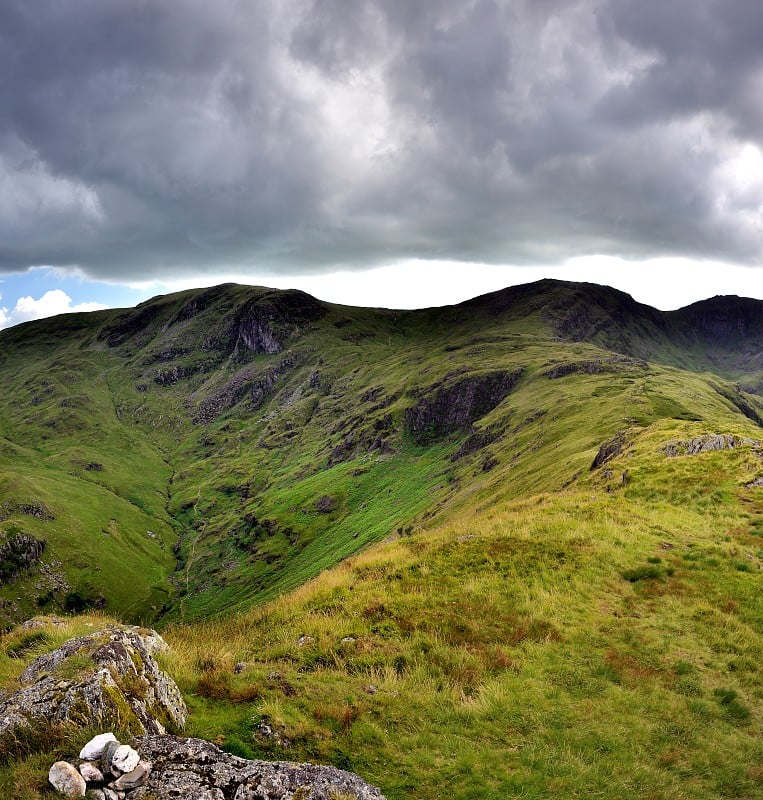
<point>108,770</point>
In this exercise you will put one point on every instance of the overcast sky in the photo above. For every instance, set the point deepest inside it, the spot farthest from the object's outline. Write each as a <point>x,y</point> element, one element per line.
<point>384,152</point>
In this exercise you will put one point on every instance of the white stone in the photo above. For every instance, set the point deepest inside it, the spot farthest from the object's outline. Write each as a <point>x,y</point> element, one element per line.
<point>66,780</point>
<point>90,772</point>
<point>94,748</point>
<point>125,759</point>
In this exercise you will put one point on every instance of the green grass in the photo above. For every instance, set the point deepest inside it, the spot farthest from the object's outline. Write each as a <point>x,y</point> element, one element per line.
<point>483,616</point>
<point>115,454</point>
<point>504,653</point>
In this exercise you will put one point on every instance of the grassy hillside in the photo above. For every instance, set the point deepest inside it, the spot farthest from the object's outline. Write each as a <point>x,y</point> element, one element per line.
<point>215,448</point>
<point>583,645</point>
<point>508,548</point>
<point>599,641</point>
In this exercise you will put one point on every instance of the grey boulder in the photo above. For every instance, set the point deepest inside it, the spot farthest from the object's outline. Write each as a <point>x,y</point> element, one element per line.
<point>193,768</point>
<point>105,677</point>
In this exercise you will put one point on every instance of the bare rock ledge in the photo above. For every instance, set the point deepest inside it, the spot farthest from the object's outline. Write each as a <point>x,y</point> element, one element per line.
<point>193,768</point>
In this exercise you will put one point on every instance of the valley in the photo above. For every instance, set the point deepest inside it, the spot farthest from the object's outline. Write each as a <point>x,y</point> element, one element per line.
<point>511,547</point>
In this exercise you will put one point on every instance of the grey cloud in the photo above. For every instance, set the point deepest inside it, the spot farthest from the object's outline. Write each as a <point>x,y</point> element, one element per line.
<point>148,139</point>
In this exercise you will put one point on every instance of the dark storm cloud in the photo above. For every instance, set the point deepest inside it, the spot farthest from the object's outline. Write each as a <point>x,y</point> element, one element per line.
<point>147,139</point>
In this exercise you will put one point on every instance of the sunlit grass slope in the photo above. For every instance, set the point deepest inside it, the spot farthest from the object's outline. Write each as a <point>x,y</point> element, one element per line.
<point>602,641</point>
<point>213,449</point>
<point>588,643</point>
<point>352,568</point>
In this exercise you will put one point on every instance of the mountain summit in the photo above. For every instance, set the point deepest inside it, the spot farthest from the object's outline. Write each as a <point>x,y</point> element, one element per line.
<point>219,446</point>
<point>512,546</point>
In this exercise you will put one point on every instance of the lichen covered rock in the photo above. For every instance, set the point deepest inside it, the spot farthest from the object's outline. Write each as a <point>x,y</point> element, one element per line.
<point>709,443</point>
<point>108,676</point>
<point>198,769</point>
<point>65,779</point>
<point>191,768</point>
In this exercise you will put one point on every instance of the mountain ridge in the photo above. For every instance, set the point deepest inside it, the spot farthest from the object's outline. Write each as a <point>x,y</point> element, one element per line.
<point>513,546</point>
<point>223,417</point>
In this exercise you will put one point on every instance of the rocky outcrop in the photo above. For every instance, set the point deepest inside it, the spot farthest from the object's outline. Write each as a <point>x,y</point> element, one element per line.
<point>453,406</point>
<point>197,769</point>
<point>595,367</point>
<point>245,384</point>
<point>167,768</point>
<point>583,367</point>
<point>108,676</point>
<point>256,334</point>
<point>17,554</point>
<point>363,437</point>
<point>325,504</point>
<point>265,323</point>
<point>171,375</point>
<point>112,675</point>
<point>609,450</point>
<point>708,444</point>
<point>34,508</point>
<point>475,442</point>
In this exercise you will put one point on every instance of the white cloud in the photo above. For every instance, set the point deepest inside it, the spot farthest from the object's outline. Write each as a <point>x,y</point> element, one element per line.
<point>53,302</point>
<point>665,283</point>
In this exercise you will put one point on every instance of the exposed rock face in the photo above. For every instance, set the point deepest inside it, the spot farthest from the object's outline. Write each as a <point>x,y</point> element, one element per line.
<point>106,676</point>
<point>456,405</point>
<point>609,450</point>
<point>18,554</point>
<point>363,437</point>
<point>725,320</point>
<point>171,375</point>
<point>708,444</point>
<point>258,386</point>
<point>197,769</point>
<point>265,323</point>
<point>257,335</point>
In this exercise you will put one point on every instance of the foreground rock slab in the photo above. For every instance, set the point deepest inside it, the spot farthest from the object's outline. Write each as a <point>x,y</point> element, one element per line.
<point>193,768</point>
<point>108,676</point>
